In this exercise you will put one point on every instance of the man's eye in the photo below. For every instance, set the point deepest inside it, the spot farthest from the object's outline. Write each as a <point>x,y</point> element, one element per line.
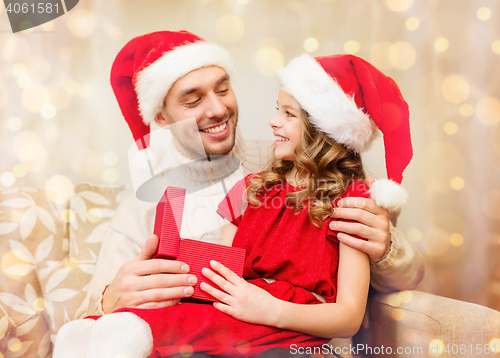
<point>193,103</point>
<point>223,91</point>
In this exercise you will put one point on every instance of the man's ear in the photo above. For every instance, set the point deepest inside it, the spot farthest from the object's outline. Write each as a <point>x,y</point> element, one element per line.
<point>161,119</point>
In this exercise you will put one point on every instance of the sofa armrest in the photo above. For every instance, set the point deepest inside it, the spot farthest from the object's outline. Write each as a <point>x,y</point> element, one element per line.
<point>414,319</point>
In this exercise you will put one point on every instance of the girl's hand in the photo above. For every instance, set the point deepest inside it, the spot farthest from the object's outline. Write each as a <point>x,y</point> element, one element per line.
<point>243,300</point>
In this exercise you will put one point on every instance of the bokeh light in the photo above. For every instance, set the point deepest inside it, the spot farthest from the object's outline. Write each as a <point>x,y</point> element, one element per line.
<point>35,97</point>
<point>7,179</point>
<point>94,215</point>
<point>456,239</point>
<point>394,299</point>
<point>269,61</point>
<point>14,123</point>
<point>19,170</point>
<point>402,55</point>
<point>48,111</point>
<point>65,53</point>
<point>443,161</point>
<point>495,47</point>
<point>110,158</point>
<point>466,109</point>
<point>488,111</point>
<point>16,216</point>
<point>15,49</point>
<point>73,87</point>
<point>15,344</point>
<point>406,296</point>
<point>111,175</point>
<point>24,81</point>
<point>59,95</point>
<point>351,47</point>
<point>483,13</point>
<point>379,55</point>
<point>52,133</point>
<point>186,350</point>
<point>59,188</point>
<point>397,314</point>
<point>455,89</point>
<point>495,344</point>
<point>311,44</point>
<point>412,23</point>
<point>414,234</point>
<point>33,156</point>
<point>441,44</point>
<point>457,183</point>
<point>18,69</point>
<point>48,26</point>
<point>230,28</point>
<point>81,23</point>
<point>115,33</point>
<point>4,94</point>
<point>436,347</point>
<point>491,204</point>
<point>15,264</point>
<point>450,128</point>
<point>39,304</point>
<point>435,242</point>
<point>399,5</point>
<point>38,68</point>
<point>68,215</point>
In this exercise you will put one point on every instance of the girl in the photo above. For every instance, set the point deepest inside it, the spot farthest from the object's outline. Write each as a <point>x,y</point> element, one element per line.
<point>300,287</point>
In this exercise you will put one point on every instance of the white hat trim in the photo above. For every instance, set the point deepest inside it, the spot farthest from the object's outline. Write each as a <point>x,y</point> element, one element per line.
<point>331,110</point>
<point>154,82</point>
<point>389,194</point>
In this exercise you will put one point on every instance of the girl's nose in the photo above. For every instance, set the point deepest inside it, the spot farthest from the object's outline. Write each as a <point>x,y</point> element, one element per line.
<point>274,122</point>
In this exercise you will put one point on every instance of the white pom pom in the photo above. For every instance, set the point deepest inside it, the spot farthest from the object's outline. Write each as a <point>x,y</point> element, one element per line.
<point>389,194</point>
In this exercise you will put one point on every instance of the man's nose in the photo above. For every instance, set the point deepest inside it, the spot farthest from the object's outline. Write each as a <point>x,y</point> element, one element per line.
<point>215,107</point>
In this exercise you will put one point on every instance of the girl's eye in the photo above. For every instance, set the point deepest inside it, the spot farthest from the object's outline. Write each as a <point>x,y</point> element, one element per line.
<point>288,114</point>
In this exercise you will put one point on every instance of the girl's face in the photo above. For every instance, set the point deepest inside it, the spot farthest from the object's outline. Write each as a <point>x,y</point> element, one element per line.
<point>287,126</point>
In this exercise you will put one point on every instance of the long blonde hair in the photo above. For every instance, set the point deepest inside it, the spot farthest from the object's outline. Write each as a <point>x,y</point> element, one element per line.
<point>327,166</point>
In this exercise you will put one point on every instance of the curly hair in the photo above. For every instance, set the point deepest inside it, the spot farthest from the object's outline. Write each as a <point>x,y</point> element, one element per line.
<point>326,166</point>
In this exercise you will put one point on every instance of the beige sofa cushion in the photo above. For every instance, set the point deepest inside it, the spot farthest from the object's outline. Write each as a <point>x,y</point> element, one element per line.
<point>31,232</point>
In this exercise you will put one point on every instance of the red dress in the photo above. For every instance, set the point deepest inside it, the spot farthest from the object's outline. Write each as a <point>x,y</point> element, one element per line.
<point>281,245</point>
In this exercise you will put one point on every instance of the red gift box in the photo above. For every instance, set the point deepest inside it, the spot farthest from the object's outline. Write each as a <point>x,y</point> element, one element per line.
<point>197,254</point>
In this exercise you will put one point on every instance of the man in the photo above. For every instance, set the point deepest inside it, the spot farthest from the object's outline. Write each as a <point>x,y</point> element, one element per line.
<point>168,77</point>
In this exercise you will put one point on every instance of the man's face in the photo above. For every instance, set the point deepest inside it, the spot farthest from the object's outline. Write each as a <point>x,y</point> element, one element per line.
<point>206,95</point>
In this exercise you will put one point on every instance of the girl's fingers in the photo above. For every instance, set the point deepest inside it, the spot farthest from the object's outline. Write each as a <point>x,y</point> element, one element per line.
<point>225,272</point>
<point>218,280</point>
<point>217,294</point>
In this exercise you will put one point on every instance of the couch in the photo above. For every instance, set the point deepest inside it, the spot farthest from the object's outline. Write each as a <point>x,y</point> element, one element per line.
<point>50,244</point>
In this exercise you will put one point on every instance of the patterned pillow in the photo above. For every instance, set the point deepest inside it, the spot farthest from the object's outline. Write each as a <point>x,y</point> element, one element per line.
<point>65,283</point>
<point>31,232</point>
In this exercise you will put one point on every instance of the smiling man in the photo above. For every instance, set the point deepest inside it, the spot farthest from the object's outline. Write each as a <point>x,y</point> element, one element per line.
<point>168,77</point>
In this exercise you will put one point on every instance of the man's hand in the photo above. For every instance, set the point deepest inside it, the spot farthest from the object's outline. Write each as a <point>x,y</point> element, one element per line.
<point>372,224</point>
<point>148,283</point>
<point>243,301</point>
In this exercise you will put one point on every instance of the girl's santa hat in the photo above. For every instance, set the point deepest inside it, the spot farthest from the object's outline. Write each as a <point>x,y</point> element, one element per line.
<point>348,98</point>
<point>147,66</point>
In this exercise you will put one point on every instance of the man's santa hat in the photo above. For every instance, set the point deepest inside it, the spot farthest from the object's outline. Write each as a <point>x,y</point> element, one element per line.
<point>147,66</point>
<point>348,98</point>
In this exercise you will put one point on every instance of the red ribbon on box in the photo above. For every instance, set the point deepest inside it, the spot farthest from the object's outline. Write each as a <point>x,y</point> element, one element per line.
<point>197,254</point>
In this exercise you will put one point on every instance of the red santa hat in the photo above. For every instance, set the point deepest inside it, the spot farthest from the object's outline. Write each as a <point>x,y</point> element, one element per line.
<point>348,99</point>
<point>147,66</point>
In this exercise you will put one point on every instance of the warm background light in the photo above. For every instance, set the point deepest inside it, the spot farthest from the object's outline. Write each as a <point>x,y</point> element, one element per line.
<point>60,124</point>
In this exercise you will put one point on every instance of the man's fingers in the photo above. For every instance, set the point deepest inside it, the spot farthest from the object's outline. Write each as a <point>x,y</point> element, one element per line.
<point>359,215</point>
<point>151,305</point>
<point>149,249</point>
<point>163,281</point>
<point>359,203</point>
<point>158,295</point>
<point>157,266</point>
<point>369,181</point>
<point>374,251</point>
<point>353,228</point>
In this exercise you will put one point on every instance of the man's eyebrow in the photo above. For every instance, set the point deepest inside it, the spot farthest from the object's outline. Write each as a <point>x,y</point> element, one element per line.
<point>194,89</point>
